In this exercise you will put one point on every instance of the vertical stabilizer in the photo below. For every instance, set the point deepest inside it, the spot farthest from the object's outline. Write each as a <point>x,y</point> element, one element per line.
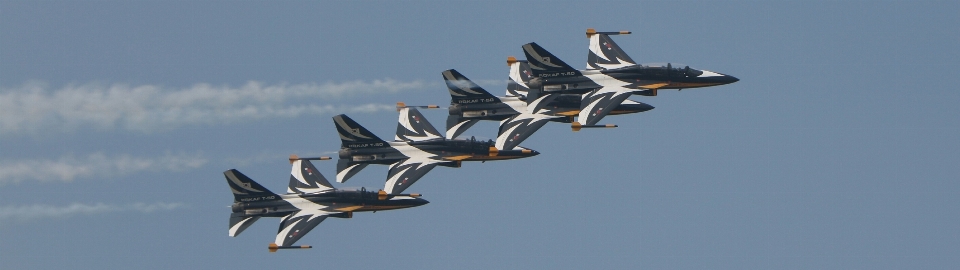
<point>245,189</point>
<point>520,74</point>
<point>545,64</point>
<point>465,91</point>
<point>603,53</point>
<point>353,135</point>
<point>304,177</point>
<point>412,126</point>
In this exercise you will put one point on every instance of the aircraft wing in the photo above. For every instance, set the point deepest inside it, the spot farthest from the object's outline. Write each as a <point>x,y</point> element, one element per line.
<point>519,127</point>
<point>296,225</point>
<point>406,172</point>
<point>600,102</point>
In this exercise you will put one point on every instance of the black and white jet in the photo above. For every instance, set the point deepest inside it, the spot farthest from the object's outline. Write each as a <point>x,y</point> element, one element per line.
<point>519,116</point>
<point>309,200</point>
<point>418,148</point>
<point>611,76</point>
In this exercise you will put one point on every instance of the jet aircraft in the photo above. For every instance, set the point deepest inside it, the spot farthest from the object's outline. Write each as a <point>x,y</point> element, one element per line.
<point>520,117</point>
<point>309,200</point>
<point>611,77</point>
<point>417,149</point>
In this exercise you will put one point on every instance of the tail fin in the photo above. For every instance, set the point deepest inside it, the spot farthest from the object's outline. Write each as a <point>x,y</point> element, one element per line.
<point>545,64</point>
<point>604,53</point>
<point>520,74</point>
<point>353,135</point>
<point>456,125</point>
<point>245,189</point>
<point>412,126</point>
<point>304,177</point>
<point>462,90</point>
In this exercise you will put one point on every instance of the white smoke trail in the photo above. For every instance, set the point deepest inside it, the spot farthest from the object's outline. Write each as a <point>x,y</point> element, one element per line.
<point>34,107</point>
<point>40,211</point>
<point>67,168</point>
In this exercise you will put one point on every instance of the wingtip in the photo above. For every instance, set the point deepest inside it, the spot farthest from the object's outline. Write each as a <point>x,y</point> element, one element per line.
<point>293,157</point>
<point>273,247</point>
<point>511,60</point>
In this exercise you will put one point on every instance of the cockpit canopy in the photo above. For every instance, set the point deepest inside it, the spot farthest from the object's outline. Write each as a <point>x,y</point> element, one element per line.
<point>473,143</point>
<point>669,69</point>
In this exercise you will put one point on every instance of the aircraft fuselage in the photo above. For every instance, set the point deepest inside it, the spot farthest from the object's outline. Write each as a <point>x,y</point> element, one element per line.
<point>632,77</point>
<point>563,105</point>
<point>441,149</point>
<point>331,201</point>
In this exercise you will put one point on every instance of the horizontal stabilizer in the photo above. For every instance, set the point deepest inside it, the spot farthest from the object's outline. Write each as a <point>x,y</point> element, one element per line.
<point>347,168</point>
<point>457,125</point>
<point>238,223</point>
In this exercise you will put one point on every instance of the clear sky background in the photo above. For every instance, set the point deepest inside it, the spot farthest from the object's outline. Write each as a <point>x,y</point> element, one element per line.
<point>838,149</point>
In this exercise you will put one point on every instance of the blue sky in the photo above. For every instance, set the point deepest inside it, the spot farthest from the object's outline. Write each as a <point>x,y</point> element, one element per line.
<point>836,150</point>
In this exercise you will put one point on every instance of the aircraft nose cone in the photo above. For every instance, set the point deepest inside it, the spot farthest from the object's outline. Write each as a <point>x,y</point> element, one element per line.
<point>420,202</point>
<point>714,78</point>
<point>644,107</point>
<point>730,79</point>
<point>632,108</point>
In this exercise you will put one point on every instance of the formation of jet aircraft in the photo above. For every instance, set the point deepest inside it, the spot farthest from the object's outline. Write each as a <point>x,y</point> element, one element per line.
<point>539,90</point>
